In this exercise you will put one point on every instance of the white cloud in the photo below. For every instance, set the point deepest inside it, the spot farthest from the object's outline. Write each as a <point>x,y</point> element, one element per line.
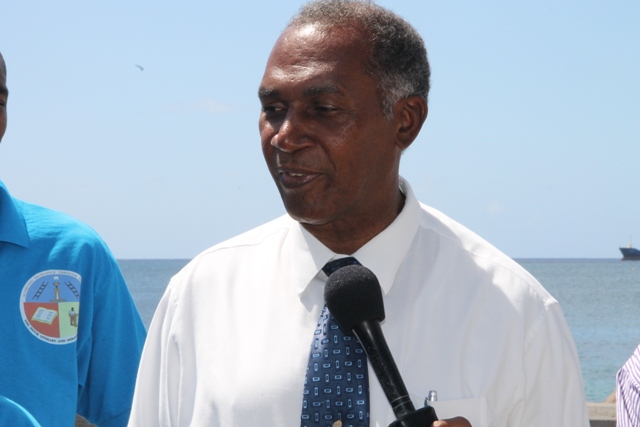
<point>495,208</point>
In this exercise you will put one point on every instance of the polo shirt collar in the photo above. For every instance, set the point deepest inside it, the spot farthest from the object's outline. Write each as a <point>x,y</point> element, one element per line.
<point>383,254</point>
<point>12,226</point>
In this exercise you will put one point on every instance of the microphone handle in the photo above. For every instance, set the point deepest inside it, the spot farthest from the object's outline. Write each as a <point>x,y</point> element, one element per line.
<point>375,346</point>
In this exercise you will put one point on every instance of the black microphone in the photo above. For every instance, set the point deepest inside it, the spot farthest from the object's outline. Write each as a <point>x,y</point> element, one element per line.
<point>354,298</point>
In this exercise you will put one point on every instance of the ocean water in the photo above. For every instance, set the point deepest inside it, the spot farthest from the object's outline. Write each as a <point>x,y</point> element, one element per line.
<point>600,299</point>
<point>147,279</point>
<point>601,302</point>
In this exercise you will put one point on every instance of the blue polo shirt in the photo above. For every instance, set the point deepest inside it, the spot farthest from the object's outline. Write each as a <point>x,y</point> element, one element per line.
<point>14,415</point>
<point>71,335</point>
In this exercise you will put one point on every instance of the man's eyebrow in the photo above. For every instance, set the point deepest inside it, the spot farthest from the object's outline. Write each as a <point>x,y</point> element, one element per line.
<point>3,90</point>
<point>321,90</point>
<point>265,92</point>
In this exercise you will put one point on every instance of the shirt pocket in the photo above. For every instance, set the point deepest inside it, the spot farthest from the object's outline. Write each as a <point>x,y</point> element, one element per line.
<point>474,410</point>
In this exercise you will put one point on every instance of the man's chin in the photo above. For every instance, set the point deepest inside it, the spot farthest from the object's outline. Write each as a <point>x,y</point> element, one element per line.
<point>307,216</point>
<point>306,220</point>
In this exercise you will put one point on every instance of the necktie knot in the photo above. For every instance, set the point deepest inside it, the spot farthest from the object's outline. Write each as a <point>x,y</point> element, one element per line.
<point>330,267</point>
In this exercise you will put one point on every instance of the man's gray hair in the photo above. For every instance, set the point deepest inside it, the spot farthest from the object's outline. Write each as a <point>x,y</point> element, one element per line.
<point>3,67</point>
<point>398,58</point>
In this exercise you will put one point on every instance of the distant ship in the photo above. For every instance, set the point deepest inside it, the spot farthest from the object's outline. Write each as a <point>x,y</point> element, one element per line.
<point>630,253</point>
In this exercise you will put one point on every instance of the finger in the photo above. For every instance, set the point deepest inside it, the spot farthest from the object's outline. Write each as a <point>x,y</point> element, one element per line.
<point>452,422</point>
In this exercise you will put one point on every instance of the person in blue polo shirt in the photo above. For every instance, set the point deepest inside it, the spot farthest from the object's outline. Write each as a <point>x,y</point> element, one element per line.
<point>71,334</point>
<point>14,415</point>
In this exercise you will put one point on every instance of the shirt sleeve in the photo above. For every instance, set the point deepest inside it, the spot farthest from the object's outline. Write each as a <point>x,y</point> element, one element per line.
<point>110,349</point>
<point>554,391</point>
<point>155,400</point>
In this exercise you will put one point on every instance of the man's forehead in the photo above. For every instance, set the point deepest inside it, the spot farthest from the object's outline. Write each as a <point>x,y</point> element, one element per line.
<point>316,40</point>
<point>304,54</point>
<point>307,70</point>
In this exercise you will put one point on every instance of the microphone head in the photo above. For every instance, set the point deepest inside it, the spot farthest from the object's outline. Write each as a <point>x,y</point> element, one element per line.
<point>353,295</point>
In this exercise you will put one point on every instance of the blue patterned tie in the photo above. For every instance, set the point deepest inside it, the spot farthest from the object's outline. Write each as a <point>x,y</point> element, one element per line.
<point>336,386</point>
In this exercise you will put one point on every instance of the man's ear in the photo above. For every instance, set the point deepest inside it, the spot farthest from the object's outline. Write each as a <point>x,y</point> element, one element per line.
<point>409,113</point>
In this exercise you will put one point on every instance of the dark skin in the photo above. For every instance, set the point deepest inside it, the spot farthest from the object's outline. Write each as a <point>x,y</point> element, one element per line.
<point>332,152</point>
<point>4,95</point>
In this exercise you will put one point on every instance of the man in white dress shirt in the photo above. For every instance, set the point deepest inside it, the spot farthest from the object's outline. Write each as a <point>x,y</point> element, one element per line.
<point>343,95</point>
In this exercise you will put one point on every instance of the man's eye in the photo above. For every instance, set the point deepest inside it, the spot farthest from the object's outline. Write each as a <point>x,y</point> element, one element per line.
<point>326,108</point>
<point>272,108</point>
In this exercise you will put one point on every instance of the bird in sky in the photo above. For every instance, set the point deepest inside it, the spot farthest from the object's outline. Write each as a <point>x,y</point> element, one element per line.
<point>139,66</point>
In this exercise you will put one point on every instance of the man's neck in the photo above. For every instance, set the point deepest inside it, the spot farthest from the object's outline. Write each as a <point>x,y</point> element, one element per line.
<point>346,237</point>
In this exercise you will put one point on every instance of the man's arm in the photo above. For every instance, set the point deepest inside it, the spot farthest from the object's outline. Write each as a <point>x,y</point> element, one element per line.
<point>554,391</point>
<point>152,403</point>
<point>111,338</point>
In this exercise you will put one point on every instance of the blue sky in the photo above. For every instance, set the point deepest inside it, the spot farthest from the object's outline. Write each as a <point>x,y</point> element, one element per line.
<point>532,139</point>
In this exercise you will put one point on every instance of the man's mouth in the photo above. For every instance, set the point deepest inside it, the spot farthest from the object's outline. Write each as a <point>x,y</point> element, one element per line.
<point>292,180</point>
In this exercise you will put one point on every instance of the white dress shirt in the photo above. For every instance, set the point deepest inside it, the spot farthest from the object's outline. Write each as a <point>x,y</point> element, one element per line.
<point>229,343</point>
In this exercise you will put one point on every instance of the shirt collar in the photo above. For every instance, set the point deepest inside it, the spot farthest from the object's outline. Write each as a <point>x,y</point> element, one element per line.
<point>12,226</point>
<point>383,254</point>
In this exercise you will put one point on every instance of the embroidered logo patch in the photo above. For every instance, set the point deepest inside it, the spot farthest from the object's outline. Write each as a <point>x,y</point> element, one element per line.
<point>50,306</point>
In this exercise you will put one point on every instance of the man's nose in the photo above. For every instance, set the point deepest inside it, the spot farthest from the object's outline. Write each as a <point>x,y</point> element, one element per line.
<point>292,134</point>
